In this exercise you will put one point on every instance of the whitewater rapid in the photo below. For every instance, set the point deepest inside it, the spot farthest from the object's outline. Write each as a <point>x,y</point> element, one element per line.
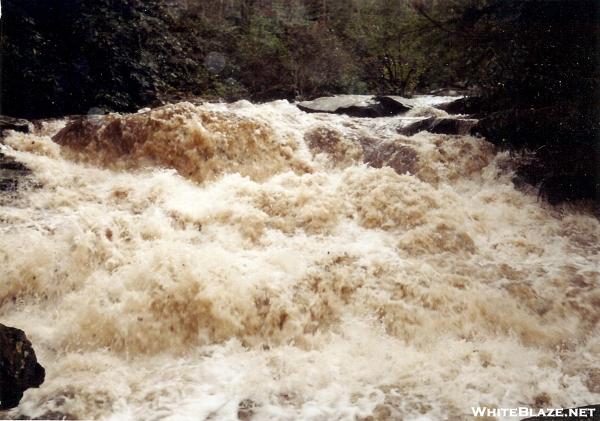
<point>241,261</point>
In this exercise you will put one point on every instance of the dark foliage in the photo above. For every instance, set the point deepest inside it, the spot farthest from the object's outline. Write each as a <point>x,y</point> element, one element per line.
<point>533,63</point>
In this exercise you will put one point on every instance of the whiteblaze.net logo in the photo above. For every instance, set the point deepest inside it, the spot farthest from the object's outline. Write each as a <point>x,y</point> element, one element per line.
<point>482,411</point>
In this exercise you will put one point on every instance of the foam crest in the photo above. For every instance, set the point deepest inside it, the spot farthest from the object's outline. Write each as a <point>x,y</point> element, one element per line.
<point>199,144</point>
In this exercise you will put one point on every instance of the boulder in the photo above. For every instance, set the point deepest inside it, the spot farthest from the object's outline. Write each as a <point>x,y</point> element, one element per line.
<point>458,126</point>
<point>395,104</point>
<point>366,111</point>
<point>331,104</point>
<point>441,125</point>
<point>19,369</point>
<point>358,105</point>
<point>11,123</point>
<point>464,105</point>
<point>416,127</point>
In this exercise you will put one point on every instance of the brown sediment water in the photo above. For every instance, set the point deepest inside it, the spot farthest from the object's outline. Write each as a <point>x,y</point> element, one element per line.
<point>223,261</point>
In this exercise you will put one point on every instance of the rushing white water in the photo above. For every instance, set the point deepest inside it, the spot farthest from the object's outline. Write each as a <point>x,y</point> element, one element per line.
<point>240,261</point>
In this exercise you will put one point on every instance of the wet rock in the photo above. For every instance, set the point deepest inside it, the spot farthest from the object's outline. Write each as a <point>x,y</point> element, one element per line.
<point>11,173</point>
<point>358,105</point>
<point>19,369</point>
<point>395,104</point>
<point>453,126</point>
<point>11,123</point>
<point>416,127</point>
<point>466,105</point>
<point>456,126</point>
<point>367,111</point>
<point>333,103</point>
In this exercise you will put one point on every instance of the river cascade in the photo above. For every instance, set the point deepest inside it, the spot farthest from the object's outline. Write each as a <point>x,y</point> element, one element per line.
<point>253,261</point>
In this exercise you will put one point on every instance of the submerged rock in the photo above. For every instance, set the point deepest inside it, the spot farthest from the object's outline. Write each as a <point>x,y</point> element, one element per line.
<point>19,369</point>
<point>455,126</point>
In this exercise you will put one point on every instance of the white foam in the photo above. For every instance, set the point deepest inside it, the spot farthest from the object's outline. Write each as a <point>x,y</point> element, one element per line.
<point>311,291</point>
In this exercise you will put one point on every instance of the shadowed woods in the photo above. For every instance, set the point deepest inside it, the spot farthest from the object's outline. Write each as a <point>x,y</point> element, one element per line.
<point>533,65</point>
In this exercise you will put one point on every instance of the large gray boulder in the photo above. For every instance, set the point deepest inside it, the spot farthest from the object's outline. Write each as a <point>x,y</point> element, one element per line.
<point>358,105</point>
<point>331,104</point>
<point>19,369</point>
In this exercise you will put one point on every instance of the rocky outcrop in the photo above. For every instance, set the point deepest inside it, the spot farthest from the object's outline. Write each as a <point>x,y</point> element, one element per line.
<point>19,369</point>
<point>358,105</point>
<point>394,105</point>
<point>454,126</point>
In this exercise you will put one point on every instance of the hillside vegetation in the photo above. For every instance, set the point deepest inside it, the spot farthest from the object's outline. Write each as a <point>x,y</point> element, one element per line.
<point>532,64</point>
